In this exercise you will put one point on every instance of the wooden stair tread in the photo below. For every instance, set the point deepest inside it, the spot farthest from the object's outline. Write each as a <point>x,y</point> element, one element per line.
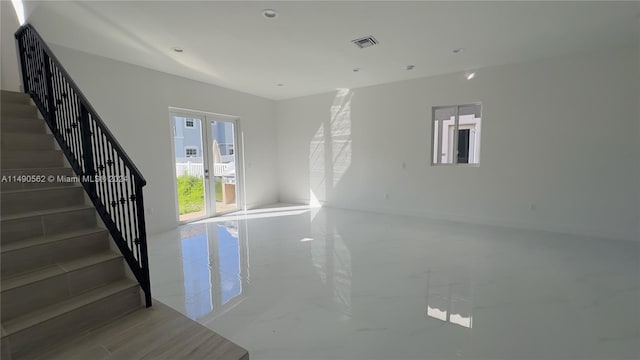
<point>45,212</point>
<point>35,275</point>
<point>11,152</point>
<point>46,188</point>
<point>42,240</point>
<point>34,169</point>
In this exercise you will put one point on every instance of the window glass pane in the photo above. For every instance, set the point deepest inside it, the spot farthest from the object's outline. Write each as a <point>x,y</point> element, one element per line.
<point>444,136</point>
<point>436,130</point>
<point>469,134</point>
<point>189,167</point>
<point>224,165</point>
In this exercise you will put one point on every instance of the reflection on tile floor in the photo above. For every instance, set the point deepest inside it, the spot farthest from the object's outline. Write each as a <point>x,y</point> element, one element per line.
<point>300,283</point>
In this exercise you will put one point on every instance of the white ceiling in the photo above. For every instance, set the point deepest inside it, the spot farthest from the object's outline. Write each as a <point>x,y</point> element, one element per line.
<point>308,49</point>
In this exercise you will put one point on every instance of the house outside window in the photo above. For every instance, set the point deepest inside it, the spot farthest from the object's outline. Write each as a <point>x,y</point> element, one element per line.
<point>189,123</point>
<point>190,151</point>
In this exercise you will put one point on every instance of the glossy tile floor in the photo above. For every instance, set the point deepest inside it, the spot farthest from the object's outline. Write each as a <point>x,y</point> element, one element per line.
<point>299,283</point>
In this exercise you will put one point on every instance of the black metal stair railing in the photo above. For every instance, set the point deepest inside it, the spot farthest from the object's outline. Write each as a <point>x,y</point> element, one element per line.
<point>111,180</point>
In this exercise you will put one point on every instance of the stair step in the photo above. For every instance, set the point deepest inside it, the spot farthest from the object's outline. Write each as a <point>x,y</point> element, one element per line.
<point>36,275</point>
<point>26,200</point>
<point>16,124</point>
<point>43,251</point>
<point>17,109</point>
<point>21,226</point>
<point>46,240</point>
<point>27,141</point>
<point>35,178</point>
<point>32,159</point>
<point>71,318</point>
<point>44,212</point>
<point>29,291</point>
<point>8,97</point>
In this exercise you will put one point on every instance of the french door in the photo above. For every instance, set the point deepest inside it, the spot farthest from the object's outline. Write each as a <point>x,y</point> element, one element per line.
<point>223,164</point>
<point>207,165</point>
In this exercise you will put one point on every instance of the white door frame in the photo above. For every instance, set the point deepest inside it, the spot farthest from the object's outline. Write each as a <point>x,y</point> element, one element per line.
<point>206,118</point>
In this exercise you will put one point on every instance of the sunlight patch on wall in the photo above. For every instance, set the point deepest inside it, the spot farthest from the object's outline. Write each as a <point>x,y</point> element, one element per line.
<point>317,167</point>
<point>341,134</point>
<point>18,6</point>
<point>330,149</point>
<point>196,63</point>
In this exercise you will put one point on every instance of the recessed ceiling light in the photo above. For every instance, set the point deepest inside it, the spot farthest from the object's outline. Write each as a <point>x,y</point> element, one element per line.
<point>177,49</point>
<point>410,67</point>
<point>457,51</point>
<point>469,75</point>
<point>269,13</point>
<point>356,69</point>
<point>280,84</point>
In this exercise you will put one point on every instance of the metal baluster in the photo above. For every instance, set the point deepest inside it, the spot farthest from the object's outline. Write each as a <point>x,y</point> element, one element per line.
<point>112,196</point>
<point>123,200</point>
<point>36,78</point>
<point>119,198</point>
<point>103,170</point>
<point>73,106</point>
<point>60,116</point>
<point>41,90</point>
<point>96,158</point>
<point>87,150</point>
<point>29,64</point>
<point>142,241</point>
<point>48,79</point>
<point>127,205</point>
<point>23,63</point>
<point>109,172</point>
<point>29,56</point>
<point>68,118</point>
<point>134,212</point>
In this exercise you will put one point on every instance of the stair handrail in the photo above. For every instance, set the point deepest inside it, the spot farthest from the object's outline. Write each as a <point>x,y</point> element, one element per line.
<point>110,178</point>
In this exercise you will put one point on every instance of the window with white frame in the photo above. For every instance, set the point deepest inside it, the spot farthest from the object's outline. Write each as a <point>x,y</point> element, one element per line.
<point>456,134</point>
<point>188,123</point>
<point>191,151</point>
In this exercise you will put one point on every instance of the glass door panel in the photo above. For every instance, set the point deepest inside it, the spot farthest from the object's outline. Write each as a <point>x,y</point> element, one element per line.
<point>190,169</point>
<point>223,162</point>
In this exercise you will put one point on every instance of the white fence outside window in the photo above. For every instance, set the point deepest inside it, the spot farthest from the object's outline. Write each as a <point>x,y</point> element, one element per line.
<point>194,166</point>
<point>190,168</point>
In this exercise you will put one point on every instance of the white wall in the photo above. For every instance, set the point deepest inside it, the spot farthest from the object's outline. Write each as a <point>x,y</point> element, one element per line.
<point>638,118</point>
<point>134,103</point>
<point>559,147</point>
<point>9,70</point>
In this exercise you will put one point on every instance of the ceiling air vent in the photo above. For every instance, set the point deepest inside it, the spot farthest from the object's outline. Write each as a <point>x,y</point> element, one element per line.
<point>365,42</point>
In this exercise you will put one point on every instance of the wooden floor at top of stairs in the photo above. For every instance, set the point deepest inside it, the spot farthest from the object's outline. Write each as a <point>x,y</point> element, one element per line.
<point>158,333</point>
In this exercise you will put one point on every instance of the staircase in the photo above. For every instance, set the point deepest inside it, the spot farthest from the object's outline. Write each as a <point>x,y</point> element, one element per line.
<point>60,277</point>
